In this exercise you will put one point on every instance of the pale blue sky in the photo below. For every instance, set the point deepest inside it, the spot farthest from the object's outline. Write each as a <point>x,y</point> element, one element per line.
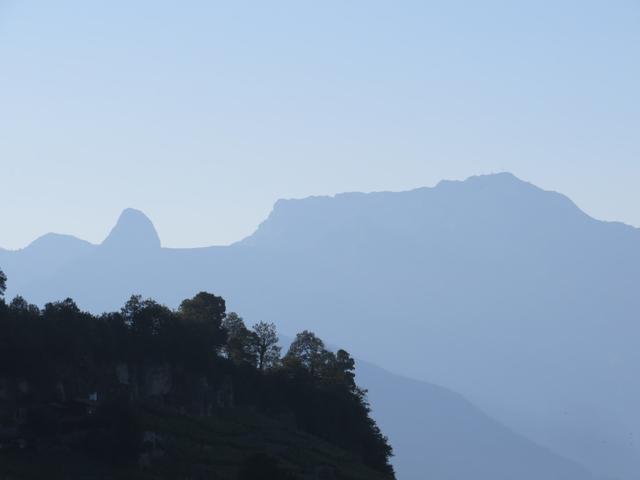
<point>203,113</point>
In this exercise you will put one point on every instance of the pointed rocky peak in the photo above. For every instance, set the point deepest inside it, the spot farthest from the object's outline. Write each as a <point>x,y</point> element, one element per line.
<point>133,230</point>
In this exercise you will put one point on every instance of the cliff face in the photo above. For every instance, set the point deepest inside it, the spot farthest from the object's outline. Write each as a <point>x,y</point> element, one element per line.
<point>161,421</point>
<point>158,384</point>
<point>158,422</point>
<point>173,387</point>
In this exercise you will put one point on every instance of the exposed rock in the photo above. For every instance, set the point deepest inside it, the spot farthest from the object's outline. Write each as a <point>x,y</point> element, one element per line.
<point>24,387</point>
<point>157,381</point>
<point>224,395</point>
<point>133,231</point>
<point>122,373</point>
<point>60,392</point>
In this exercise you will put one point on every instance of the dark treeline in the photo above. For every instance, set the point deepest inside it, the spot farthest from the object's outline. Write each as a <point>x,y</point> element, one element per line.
<point>61,347</point>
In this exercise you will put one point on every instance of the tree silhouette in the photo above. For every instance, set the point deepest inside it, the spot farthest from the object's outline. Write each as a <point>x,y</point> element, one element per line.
<point>204,307</point>
<point>265,344</point>
<point>307,351</point>
<point>240,340</point>
<point>341,370</point>
<point>3,283</point>
<point>20,305</point>
<point>199,348</point>
<point>209,311</point>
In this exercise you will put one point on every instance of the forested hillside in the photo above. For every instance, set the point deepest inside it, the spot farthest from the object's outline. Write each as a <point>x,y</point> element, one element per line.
<point>189,393</point>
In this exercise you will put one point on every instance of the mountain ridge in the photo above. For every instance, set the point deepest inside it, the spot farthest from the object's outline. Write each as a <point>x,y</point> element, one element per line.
<point>141,222</point>
<point>504,292</point>
<point>486,188</point>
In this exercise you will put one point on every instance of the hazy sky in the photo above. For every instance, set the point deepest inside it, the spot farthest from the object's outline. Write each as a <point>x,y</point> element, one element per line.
<point>203,113</point>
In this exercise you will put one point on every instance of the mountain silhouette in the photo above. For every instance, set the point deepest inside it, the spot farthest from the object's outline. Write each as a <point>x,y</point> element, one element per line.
<point>493,287</point>
<point>133,231</point>
<point>42,257</point>
<point>437,433</point>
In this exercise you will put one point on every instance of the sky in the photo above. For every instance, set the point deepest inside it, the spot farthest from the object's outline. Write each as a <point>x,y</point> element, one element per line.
<point>204,113</point>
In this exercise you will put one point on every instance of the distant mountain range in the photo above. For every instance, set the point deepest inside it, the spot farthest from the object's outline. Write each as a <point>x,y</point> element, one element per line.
<point>491,286</point>
<point>438,434</point>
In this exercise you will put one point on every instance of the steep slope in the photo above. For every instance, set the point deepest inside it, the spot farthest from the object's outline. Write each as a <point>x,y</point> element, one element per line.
<point>96,273</point>
<point>439,434</point>
<point>491,286</point>
<point>84,396</point>
<point>133,231</point>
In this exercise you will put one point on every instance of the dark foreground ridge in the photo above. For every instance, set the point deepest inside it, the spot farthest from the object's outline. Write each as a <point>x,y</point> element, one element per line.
<point>149,392</point>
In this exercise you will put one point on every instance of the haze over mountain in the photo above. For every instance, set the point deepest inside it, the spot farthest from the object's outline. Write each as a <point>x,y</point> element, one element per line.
<point>438,434</point>
<point>134,231</point>
<point>493,287</point>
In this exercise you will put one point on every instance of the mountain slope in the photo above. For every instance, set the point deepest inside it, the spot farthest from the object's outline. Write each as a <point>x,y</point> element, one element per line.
<point>42,257</point>
<point>133,231</point>
<point>502,291</point>
<point>438,434</point>
<point>496,288</point>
